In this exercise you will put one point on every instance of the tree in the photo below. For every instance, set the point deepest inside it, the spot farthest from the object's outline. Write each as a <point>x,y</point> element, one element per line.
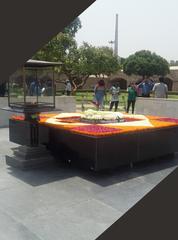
<point>105,62</point>
<point>78,63</point>
<point>88,60</point>
<point>122,60</point>
<point>146,63</point>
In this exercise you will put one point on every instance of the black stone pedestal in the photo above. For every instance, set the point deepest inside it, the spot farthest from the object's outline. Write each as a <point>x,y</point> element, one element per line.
<point>111,152</point>
<point>25,157</point>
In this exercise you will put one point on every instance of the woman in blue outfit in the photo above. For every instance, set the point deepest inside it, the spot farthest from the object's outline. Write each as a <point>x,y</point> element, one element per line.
<point>99,91</point>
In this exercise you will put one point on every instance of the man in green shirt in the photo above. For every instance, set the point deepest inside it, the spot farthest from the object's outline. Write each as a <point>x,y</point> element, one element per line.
<point>132,94</point>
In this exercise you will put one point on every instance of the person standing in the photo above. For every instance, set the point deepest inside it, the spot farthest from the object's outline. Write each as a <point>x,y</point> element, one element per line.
<point>114,90</point>
<point>160,90</point>
<point>146,87</point>
<point>139,87</point>
<point>132,94</point>
<point>99,91</point>
<point>68,88</point>
<point>35,88</point>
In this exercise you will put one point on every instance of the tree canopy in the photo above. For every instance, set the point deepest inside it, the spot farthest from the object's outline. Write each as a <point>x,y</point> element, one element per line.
<point>146,63</point>
<point>88,60</point>
<point>78,63</point>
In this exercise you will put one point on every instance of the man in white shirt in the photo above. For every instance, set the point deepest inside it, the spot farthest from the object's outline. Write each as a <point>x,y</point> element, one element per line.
<point>68,87</point>
<point>114,90</point>
<point>160,90</point>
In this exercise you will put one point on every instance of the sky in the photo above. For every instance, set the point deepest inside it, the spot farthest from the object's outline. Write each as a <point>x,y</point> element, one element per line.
<point>143,24</point>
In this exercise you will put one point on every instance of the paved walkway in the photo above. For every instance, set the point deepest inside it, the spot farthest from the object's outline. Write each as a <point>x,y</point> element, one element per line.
<point>69,204</point>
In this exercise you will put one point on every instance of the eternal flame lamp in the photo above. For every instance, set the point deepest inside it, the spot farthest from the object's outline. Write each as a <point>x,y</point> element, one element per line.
<point>31,91</point>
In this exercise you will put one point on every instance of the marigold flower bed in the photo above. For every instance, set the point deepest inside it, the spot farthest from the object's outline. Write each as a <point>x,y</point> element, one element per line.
<point>131,123</point>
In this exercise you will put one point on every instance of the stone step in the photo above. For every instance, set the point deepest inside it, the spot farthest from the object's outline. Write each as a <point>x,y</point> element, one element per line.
<point>27,164</point>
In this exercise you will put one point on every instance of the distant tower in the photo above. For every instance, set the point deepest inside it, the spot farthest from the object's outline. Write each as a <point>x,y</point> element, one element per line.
<point>116,37</point>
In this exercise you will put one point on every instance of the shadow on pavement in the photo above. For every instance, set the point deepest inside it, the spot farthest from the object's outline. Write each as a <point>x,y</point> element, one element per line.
<point>58,172</point>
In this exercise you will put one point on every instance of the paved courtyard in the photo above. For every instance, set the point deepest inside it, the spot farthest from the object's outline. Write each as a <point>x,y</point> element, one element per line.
<point>60,203</point>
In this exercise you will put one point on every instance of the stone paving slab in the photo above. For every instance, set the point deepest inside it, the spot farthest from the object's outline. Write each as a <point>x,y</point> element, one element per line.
<point>61,203</point>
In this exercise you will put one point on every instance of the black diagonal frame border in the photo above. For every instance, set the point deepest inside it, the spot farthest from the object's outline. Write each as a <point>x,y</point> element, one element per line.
<point>25,27</point>
<point>155,217</point>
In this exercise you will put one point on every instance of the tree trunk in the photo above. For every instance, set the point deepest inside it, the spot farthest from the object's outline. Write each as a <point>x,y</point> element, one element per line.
<point>81,83</point>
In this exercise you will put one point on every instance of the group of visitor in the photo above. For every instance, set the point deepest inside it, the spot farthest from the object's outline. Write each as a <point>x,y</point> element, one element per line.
<point>140,89</point>
<point>100,93</point>
<point>39,88</point>
<point>144,87</point>
<point>35,88</point>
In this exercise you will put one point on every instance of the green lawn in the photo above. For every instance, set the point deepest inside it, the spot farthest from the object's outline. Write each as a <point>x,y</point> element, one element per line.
<point>173,96</point>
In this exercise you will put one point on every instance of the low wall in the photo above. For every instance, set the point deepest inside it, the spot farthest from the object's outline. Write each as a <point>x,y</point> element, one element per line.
<point>66,103</point>
<point>63,103</point>
<point>157,106</point>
